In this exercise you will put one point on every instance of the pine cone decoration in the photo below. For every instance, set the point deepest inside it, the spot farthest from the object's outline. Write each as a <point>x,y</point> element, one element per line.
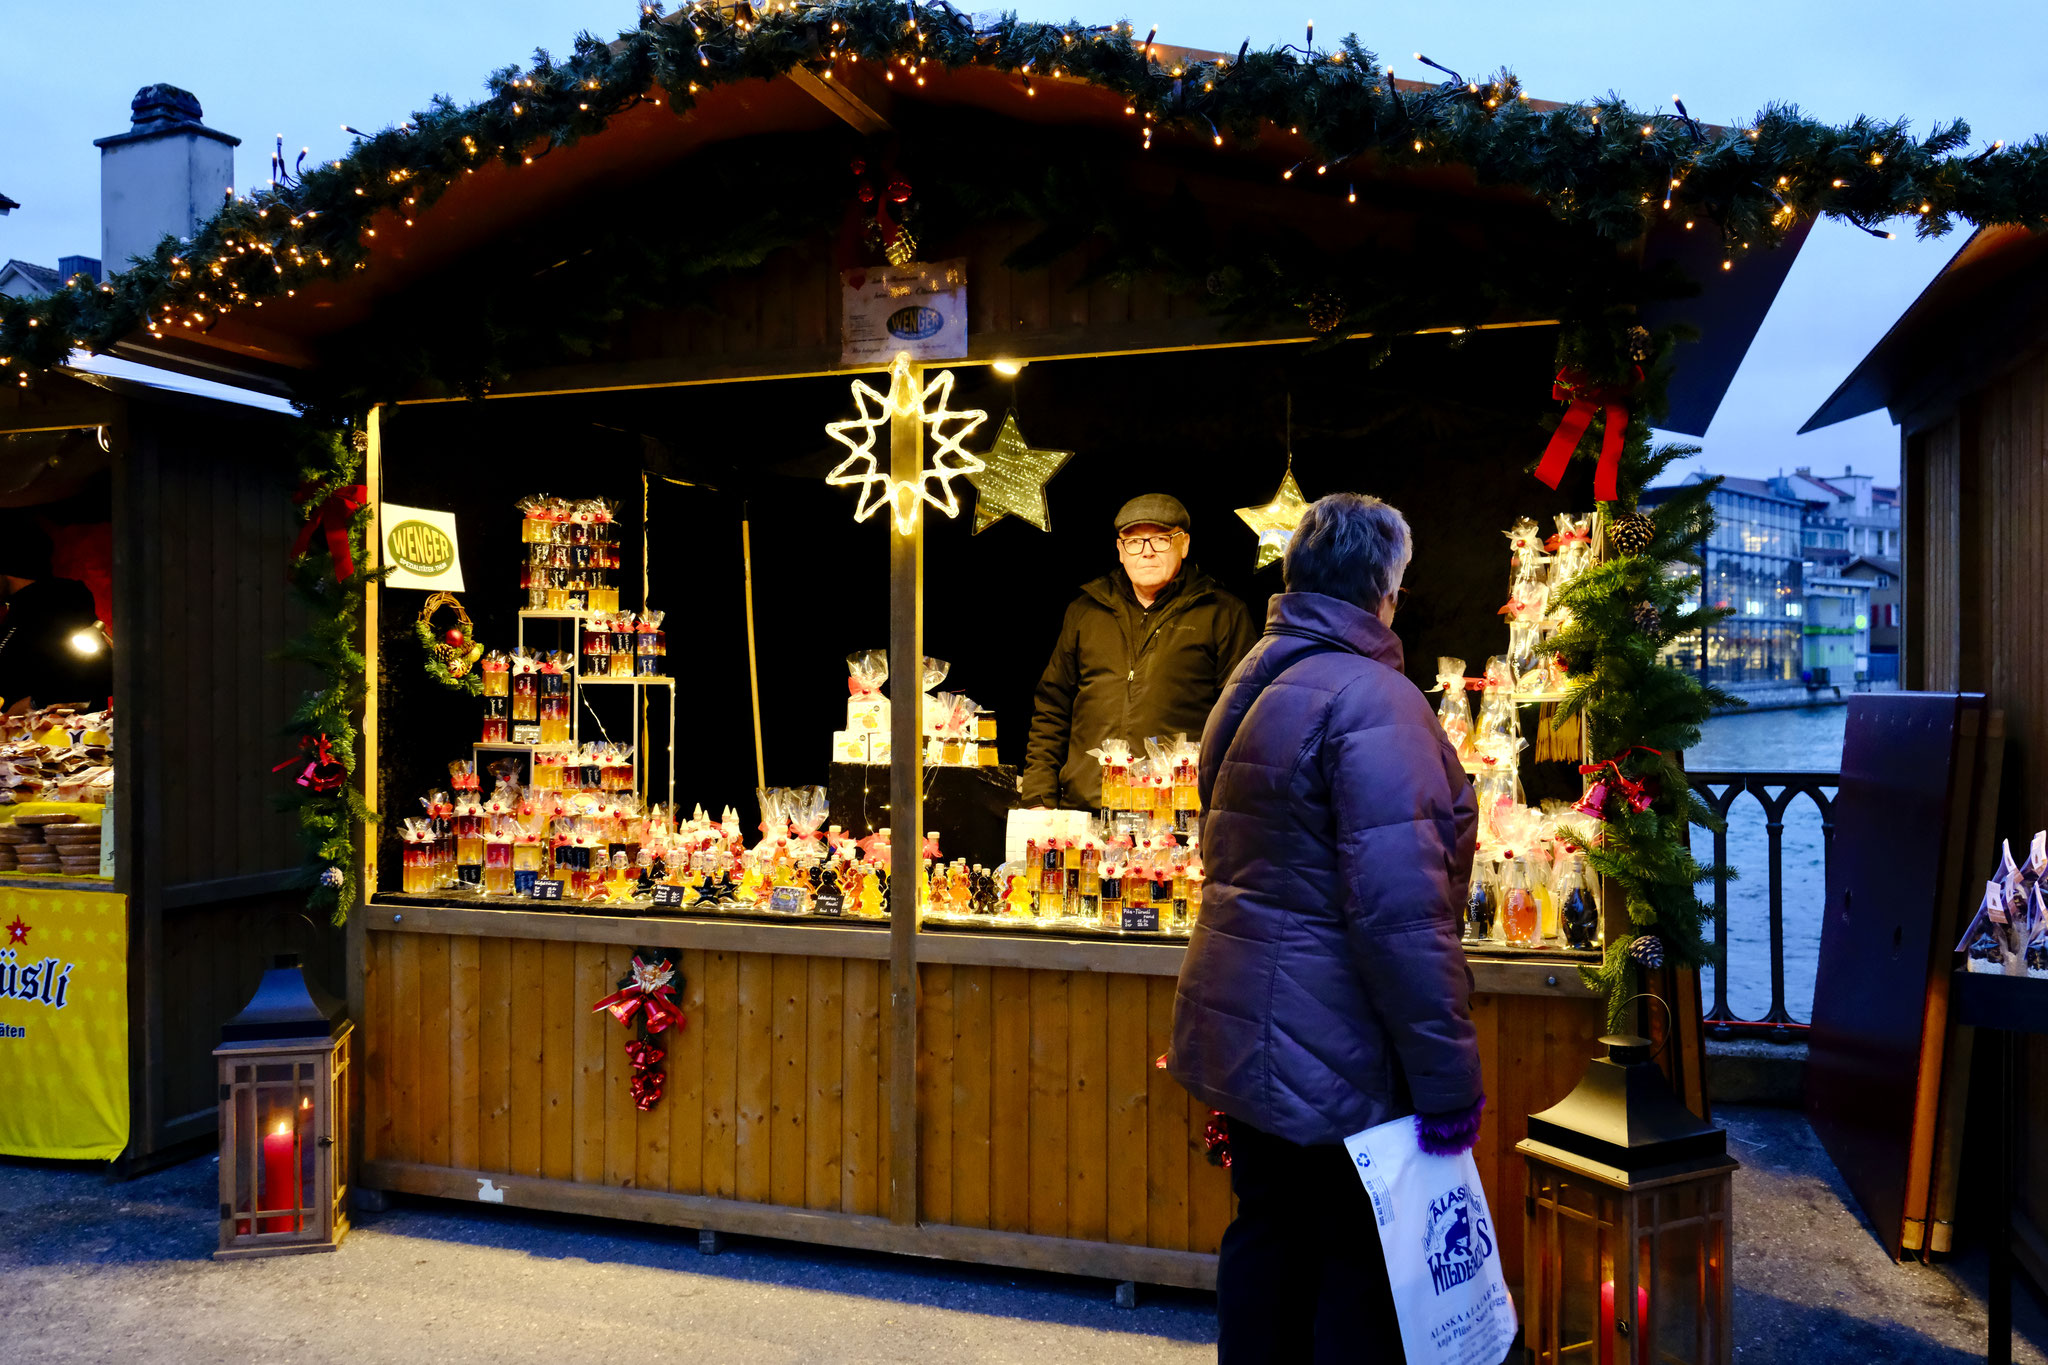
<point>1631,533</point>
<point>1640,347</point>
<point>1325,312</point>
<point>1647,950</point>
<point>1647,618</point>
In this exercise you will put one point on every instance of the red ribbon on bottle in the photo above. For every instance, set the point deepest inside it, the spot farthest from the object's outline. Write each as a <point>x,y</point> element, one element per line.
<point>1564,538</point>
<point>1589,400</point>
<point>332,516</point>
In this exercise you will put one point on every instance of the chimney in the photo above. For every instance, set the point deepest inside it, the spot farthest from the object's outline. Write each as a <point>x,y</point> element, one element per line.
<point>163,177</point>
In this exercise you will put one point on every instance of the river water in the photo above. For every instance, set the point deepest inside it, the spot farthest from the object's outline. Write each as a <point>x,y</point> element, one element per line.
<point>1804,740</point>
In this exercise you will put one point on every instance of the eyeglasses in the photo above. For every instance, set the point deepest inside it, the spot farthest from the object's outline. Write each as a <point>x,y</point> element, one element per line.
<point>1138,545</point>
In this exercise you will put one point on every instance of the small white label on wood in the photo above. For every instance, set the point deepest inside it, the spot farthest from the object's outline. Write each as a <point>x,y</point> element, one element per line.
<point>920,308</point>
<point>488,1193</point>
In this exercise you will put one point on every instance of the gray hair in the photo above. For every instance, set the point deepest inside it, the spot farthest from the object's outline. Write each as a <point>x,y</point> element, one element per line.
<point>1349,546</point>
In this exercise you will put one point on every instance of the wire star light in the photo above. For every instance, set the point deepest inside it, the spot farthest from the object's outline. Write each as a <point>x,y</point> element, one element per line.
<point>861,469</point>
<point>1274,522</point>
<point>1013,485</point>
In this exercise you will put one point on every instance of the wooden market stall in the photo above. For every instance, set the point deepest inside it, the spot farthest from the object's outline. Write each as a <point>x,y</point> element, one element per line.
<point>986,1096</point>
<point>178,507</point>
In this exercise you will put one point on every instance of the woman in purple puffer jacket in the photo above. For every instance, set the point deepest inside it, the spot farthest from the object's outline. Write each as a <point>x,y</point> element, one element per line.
<point>1324,991</point>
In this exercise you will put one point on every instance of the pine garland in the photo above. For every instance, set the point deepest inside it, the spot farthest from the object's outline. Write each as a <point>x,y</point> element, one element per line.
<point>1642,711</point>
<point>328,459</point>
<point>1604,167</point>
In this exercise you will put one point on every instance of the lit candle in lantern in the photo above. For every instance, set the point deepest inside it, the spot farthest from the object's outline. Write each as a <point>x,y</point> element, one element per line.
<point>280,1178</point>
<point>1607,1318</point>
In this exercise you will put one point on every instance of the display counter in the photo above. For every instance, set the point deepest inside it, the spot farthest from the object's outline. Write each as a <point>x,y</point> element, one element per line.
<point>1041,1133</point>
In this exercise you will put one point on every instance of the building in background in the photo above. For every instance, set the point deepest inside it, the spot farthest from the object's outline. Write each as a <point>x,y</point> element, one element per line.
<point>1886,595</point>
<point>1847,515</point>
<point>23,280</point>
<point>1835,629</point>
<point>1753,570</point>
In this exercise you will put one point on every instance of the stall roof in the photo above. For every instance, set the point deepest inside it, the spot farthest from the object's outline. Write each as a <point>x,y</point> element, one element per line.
<point>1959,331</point>
<point>265,349</point>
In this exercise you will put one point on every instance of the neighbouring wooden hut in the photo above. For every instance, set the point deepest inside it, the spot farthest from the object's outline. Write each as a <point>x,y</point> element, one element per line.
<point>174,508</point>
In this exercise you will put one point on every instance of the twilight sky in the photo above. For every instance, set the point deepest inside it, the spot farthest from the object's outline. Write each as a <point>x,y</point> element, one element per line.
<point>261,69</point>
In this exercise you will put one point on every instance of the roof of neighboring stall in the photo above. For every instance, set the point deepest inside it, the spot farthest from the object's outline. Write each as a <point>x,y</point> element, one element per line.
<point>1969,323</point>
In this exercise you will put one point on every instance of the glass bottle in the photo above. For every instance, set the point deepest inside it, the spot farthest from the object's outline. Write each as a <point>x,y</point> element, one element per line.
<point>1481,903</point>
<point>1090,905</point>
<point>1521,918</point>
<point>1542,873</point>
<point>1578,912</point>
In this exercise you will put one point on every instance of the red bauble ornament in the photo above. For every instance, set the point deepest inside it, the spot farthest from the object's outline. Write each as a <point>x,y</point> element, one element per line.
<point>454,637</point>
<point>867,194</point>
<point>899,191</point>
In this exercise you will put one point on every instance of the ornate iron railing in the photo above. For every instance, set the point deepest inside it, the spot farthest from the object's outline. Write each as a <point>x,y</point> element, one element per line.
<point>1775,792</point>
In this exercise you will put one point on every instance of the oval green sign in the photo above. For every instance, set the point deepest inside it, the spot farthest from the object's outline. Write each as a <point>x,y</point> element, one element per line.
<point>419,548</point>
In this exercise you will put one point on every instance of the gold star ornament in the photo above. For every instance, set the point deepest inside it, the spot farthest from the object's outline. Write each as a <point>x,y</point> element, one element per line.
<point>1274,522</point>
<point>1012,481</point>
<point>934,482</point>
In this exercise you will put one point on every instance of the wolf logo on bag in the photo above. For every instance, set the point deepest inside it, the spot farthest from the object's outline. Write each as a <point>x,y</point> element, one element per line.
<point>1458,1240</point>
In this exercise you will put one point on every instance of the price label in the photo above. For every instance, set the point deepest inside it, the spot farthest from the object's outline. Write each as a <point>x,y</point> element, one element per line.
<point>786,900</point>
<point>831,902</point>
<point>1141,919</point>
<point>526,732</point>
<point>547,889</point>
<point>668,895</point>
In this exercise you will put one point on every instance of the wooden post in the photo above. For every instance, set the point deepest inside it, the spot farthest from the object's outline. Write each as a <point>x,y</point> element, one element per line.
<point>367,769</point>
<point>906,808</point>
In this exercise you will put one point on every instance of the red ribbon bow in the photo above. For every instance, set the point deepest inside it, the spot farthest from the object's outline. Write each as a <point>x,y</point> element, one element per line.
<point>332,516</point>
<point>861,687</point>
<point>648,990</point>
<point>1637,793</point>
<point>1515,607</point>
<point>1564,538</point>
<point>1589,400</point>
<point>323,772</point>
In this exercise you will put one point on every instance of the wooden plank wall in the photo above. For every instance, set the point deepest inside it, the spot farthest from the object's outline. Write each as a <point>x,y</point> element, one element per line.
<point>1934,544</point>
<point>1985,468</point>
<point>1040,1110</point>
<point>483,1054</point>
<point>204,519</point>
<point>212,515</point>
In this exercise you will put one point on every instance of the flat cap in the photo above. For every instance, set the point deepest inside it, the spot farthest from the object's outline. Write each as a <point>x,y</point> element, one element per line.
<point>1158,509</point>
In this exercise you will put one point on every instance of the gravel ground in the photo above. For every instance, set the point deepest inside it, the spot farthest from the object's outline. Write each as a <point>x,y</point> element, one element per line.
<point>100,1271</point>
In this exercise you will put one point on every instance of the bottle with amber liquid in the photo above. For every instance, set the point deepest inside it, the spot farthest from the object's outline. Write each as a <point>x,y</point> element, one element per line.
<point>1520,916</point>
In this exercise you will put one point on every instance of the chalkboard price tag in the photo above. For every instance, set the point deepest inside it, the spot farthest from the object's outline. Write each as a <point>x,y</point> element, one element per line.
<point>547,889</point>
<point>1141,919</point>
<point>831,902</point>
<point>786,900</point>
<point>668,895</point>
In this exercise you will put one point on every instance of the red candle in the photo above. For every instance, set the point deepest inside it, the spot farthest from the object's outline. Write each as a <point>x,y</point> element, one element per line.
<point>280,1188</point>
<point>1607,1319</point>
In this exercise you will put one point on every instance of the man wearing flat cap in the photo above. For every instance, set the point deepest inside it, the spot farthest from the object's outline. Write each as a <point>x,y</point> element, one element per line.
<point>1144,651</point>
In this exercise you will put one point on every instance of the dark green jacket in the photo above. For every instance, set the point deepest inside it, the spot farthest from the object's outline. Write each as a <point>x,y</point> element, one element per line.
<point>1124,671</point>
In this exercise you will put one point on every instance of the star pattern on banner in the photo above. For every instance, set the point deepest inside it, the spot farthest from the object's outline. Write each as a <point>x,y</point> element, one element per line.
<point>933,485</point>
<point>1013,482</point>
<point>18,932</point>
<point>1275,520</point>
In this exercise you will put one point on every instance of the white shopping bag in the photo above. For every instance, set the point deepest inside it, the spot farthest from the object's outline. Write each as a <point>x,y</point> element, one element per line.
<point>1443,1257</point>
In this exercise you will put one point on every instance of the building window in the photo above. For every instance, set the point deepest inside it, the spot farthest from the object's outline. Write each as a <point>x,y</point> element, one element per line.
<point>1792,609</point>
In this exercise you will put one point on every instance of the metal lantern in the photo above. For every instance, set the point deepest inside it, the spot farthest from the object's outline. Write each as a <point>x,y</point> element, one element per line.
<point>283,1119</point>
<point>1625,1252</point>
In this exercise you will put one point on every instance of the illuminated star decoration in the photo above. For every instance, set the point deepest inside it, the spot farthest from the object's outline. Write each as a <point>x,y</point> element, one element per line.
<point>18,932</point>
<point>1013,484</point>
<point>934,482</point>
<point>1274,522</point>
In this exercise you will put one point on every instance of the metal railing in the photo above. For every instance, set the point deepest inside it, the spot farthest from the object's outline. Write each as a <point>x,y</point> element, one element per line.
<point>1775,792</point>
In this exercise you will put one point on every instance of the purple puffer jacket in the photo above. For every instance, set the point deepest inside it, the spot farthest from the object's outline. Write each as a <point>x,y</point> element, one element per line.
<point>1324,990</point>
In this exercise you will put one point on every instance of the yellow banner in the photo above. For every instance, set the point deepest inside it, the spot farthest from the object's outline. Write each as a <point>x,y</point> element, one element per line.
<point>63,1023</point>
